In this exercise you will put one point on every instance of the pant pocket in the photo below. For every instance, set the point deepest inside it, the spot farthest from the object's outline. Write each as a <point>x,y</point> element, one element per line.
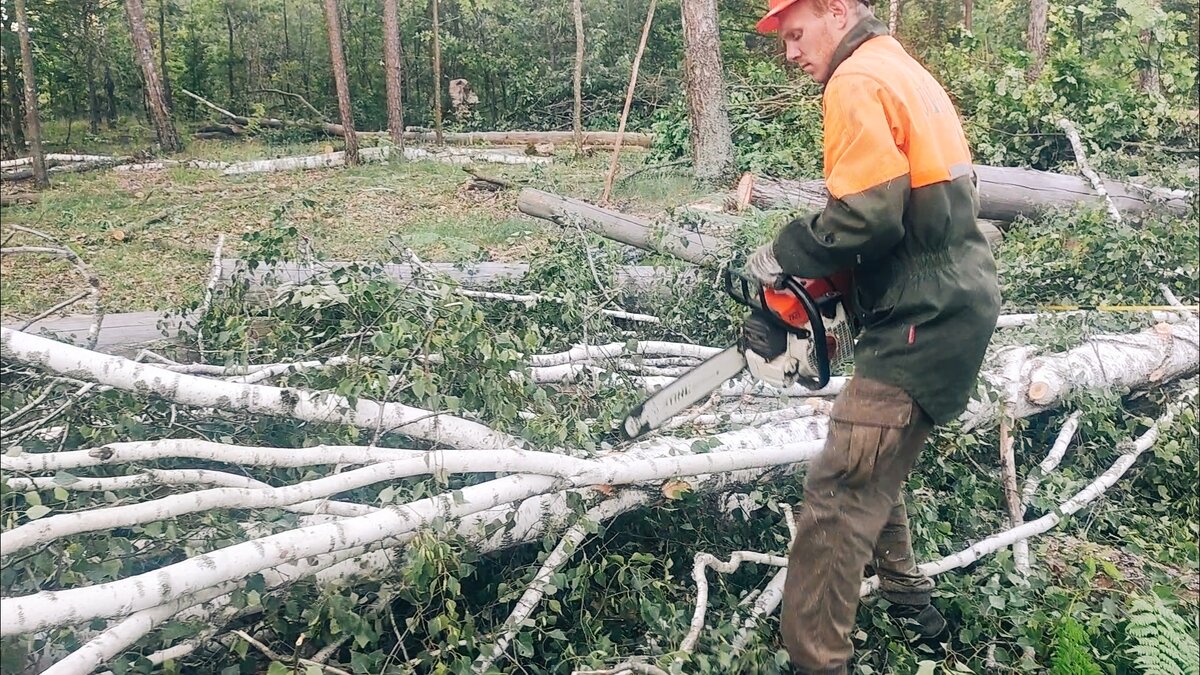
<point>869,419</point>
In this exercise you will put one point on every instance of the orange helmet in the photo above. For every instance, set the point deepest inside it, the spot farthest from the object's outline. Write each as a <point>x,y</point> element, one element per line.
<point>770,22</point>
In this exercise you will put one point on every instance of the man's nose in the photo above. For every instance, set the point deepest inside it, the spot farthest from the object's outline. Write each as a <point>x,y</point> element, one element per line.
<point>792,52</point>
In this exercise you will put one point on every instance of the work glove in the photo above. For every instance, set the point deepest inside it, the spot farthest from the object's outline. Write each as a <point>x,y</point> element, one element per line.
<point>764,268</point>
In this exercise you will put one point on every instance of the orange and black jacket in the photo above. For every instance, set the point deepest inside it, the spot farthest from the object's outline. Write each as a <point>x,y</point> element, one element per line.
<point>901,215</point>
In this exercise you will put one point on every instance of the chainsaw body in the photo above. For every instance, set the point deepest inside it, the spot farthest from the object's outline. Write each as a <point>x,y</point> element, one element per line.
<point>817,330</point>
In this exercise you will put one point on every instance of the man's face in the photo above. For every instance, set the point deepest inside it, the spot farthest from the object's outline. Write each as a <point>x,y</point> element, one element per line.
<point>811,37</point>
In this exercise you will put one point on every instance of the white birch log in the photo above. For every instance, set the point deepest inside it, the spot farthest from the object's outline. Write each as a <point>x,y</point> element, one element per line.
<point>253,398</point>
<point>38,611</point>
<point>196,448</point>
<point>1029,385</point>
<point>748,386</point>
<point>614,350</point>
<point>521,522</point>
<point>1086,169</point>
<point>163,164</point>
<point>811,407</point>
<point>115,640</point>
<point>611,470</point>
<point>255,497</point>
<point>184,477</point>
<point>334,159</point>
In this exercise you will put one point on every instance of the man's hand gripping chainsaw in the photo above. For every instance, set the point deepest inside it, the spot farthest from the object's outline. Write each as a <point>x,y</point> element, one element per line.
<point>795,334</point>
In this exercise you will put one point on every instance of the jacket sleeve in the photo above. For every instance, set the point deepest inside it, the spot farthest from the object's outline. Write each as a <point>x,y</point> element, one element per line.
<point>867,176</point>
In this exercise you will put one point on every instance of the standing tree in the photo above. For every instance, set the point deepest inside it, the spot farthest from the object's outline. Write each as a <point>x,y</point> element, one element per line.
<point>968,11</point>
<point>229,52</point>
<point>437,78</point>
<point>164,128</point>
<point>1149,81</point>
<point>338,58</point>
<point>110,87</point>
<point>13,108</point>
<point>577,118</point>
<point>893,16</point>
<point>633,75</point>
<point>704,80</point>
<point>1036,38</point>
<point>33,125</point>
<point>393,73</point>
<point>91,47</point>
<point>162,51</point>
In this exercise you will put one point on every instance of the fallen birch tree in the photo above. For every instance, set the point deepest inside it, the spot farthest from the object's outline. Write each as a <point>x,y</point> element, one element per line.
<point>593,138</point>
<point>1005,193</point>
<point>380,154</point>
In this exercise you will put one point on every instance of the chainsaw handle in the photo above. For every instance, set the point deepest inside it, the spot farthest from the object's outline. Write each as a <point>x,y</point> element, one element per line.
<point>752,294</point>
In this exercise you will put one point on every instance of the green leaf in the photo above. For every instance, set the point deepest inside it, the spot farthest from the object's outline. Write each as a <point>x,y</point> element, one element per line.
<point>277,668</point>
<point>35,512</point>
<point>926,668</point>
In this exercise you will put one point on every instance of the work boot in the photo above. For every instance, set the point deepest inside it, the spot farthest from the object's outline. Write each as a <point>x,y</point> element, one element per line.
<point>924,620</point>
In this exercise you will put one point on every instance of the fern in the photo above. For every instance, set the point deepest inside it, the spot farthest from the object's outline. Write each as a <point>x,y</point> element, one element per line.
<point>1072,651</point>
<point>1163,643</point>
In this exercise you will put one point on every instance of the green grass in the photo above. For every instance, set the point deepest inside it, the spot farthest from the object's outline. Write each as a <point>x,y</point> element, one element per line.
<point>150,236</point>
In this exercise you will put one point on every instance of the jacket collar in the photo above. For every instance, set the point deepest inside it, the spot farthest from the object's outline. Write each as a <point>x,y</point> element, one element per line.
<point>866,29</point>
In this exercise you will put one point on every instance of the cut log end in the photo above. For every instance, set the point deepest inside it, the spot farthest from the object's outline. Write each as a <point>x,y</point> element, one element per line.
<point>1040,393</point>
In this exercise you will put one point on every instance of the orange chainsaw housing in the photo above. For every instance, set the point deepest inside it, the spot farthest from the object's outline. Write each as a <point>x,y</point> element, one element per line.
<point>789,308</point>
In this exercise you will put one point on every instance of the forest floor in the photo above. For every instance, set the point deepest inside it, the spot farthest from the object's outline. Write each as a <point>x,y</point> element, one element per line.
<point>150,235</point>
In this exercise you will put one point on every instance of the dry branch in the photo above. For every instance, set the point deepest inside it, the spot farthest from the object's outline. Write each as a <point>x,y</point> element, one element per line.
<point>89,278</point>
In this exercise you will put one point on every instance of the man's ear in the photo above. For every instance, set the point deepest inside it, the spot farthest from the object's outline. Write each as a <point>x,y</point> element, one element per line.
<point>842,12</point>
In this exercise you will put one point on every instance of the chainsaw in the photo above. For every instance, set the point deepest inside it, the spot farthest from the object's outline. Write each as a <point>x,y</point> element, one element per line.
<point>817,335</point>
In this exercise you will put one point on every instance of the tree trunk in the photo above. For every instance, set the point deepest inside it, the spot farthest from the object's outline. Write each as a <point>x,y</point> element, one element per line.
<point>15,104</point>
<point>229,55</point>
<point>712,144</point>
<point>109,108</point>
<point>968,12</point>
<point>437,77</point>
<point>893,16</point>
<point>632,230</point>
<point>1148,80</point>
<point>89,65</point>
<point>338,58</point>
<point>393,75</point>
<point>577,118</point>
<point>304,53</point>
<point>162,53</point>
<point>1036,38</point>
<point>633,75</point>
<point>33,125</point>
<point>164,127</point>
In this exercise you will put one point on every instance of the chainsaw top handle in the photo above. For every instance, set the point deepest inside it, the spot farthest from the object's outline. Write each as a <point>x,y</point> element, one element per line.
<point>792,309</point>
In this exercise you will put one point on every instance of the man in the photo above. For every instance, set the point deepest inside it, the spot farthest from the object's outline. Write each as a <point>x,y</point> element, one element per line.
<point>901,216</point>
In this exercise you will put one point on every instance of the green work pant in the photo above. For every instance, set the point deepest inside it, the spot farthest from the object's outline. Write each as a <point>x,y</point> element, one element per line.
<point>853,515</point>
